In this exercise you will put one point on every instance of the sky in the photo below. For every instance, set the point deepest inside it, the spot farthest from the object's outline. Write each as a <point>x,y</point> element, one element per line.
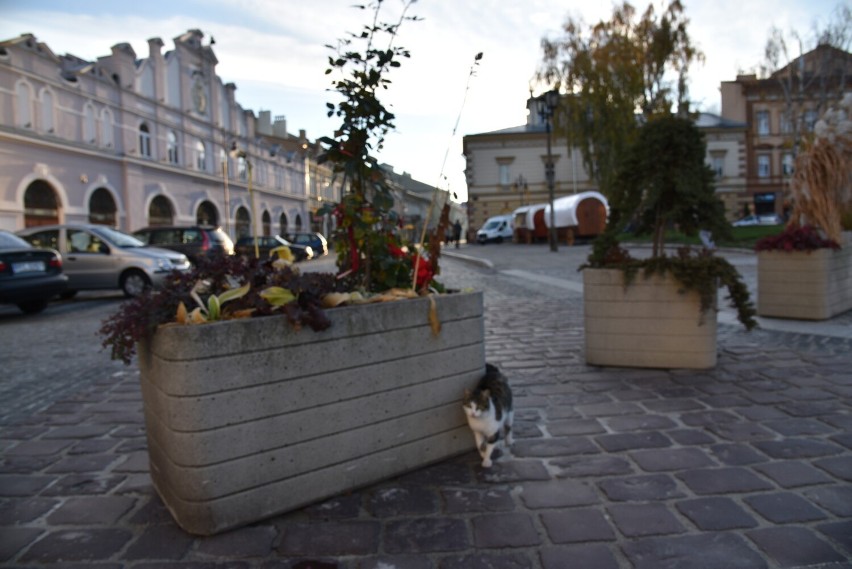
<point>275,52</point>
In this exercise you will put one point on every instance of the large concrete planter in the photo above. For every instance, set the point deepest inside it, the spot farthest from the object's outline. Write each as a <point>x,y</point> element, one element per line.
<point>648,323</point>
<point>247,419</point>
<point>814,285</point>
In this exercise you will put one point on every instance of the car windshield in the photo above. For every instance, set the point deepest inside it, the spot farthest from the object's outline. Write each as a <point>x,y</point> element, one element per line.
<point>491,225</point>
<point>117,238</point>
<point>10,241</point>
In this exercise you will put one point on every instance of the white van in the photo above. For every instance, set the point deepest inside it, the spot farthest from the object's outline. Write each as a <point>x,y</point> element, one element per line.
<point>496,228</point>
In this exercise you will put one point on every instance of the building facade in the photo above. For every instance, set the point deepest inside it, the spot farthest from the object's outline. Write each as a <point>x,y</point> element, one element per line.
<point>132,142</point>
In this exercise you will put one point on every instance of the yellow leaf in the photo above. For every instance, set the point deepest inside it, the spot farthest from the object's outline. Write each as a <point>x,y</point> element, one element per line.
<point>277,296</point>
<point>284,253</point>
<point>197,317</point>
<point>181,317</point>
<point>234,293</point>
<point>433,316</point>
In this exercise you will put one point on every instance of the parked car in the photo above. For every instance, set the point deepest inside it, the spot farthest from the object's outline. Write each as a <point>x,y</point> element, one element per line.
<point>29,277</point>
<point>100,257</point>
<point>316,241</point>
<point>194,242</point>
<point>266,243</point>
<point>767,219</point>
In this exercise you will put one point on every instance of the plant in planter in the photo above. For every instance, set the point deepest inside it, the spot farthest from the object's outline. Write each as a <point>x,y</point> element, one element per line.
<point>247,416</point>
<point>662,182</point>
<point>806,271</point>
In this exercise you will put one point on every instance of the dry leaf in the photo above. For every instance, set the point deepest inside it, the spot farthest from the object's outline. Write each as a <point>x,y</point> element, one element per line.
<point>181,317</point>
<point>333,299</point>
<point>197,317</point>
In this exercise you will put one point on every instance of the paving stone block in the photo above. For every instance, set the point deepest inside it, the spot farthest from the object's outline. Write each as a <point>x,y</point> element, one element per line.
<point>796,427</point>
<point>659,460</point>
<point>23,485</point>
<point>554,447</point>
<point>737,454</point>
<point>690,437</point>
<point>740,432</point>
<point>784,508</point>
<point>504,530</point>
<point>575,427</point>
<point>797,448</point>
<point>716,514</point>
<point>256,541</point>
<point>558,494</point>
<point>161,541</point>
<point>628,441</point>
<point>402,500</point>
<point>578,525</point>
<point>793,473</point>
<point>466,501</point>
<point>579,467</point>
<point>14,539</point>
<point>383,562</point>
<point>329,538</point>
<point>672,405</point>
<point>17,511</point>
<point>794,546</point>
<point>513,471</point>
<point>424,535</point>
<point>835,499</point>
<point>90,484</point>
<point>639,423</point>
<point>839,467</point>
<point>705,551</point>
<point>338,508</point>
<point>642,520</point>
<point>723,481</point>
<point>77,545</point>
<point>641,488</point>
<point>505,560</point>
<point>38,448</point>
<point>91,510</point>
<point>579,556</point>
<point>707,418</point>
<point>85,463</point>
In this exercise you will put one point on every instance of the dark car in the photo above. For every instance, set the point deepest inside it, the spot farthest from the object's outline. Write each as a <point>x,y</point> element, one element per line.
<point>29,277</point>
<point>315,240</point>
<point>195,241</point>
<point>266,243</point>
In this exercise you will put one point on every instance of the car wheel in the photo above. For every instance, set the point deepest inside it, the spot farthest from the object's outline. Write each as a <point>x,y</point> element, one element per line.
<point>32,306</point>
<point>68,294</point>
<point>134,283</point>
<point>499,240</point>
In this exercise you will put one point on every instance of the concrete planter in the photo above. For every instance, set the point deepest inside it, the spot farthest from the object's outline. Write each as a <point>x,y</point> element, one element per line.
<point>646,324</point>
<point>814,285</point>
<point>248,419</point>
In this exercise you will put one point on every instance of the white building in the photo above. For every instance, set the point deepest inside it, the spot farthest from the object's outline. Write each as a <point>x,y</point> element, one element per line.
<point>130,142</point>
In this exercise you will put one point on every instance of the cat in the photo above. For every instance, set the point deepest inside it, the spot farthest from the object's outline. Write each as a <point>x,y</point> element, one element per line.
<point>489,412</point>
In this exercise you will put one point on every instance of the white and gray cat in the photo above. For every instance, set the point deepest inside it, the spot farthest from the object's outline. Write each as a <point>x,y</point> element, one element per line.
<point>489,412</point>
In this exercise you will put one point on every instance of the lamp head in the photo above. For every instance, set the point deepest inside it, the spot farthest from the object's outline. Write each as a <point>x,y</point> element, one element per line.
<point>551,99</point>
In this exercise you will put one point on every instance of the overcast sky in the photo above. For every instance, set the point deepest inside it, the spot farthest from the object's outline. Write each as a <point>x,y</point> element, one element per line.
<point>274,51</point>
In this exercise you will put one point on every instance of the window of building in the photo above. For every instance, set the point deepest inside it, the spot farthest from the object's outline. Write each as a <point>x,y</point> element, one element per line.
<point>102,208</point>
<point>787,164</point>
<point>267,223</point>
<point>810,120</point>
<point>144,141</point>
<point>106,128</point>
<point>763,169</point>
<point>282,223</point>
<point>504,175</point>
<point>786,123</point>
<point>241,168</point>
<point>25,116</point>
<point>762,118</point>
<point>200,156</point>
<point>47,123</point>
<point>89,124</point>
<point>172,142</point>
<point>718,166</point>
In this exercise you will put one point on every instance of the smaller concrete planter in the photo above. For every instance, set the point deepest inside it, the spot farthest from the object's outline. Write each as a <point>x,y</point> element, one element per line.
<point>805,285</point>
<point>248,418</point>
<point>648,323</point>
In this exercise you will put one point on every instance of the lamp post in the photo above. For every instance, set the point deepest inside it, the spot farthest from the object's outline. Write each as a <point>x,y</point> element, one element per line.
<point>521,186</point>
<point>547,106</point>
<point>237,153</point>
<point>227,196</point>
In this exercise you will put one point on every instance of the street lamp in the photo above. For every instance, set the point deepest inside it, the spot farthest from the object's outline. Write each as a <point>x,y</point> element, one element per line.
<point>521,186</point>
<point>237,153</point>
<point>546,107</point>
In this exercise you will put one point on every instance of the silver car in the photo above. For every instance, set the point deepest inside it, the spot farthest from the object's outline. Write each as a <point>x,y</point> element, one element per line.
<point>100,257</point>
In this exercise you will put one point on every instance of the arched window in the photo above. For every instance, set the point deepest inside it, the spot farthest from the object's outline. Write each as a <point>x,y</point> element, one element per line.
<point>144,141</point>
<point>102,208</point>
<point>200,156</point>
<point>172,147</point>
<point>282,224</point>
<point>24,110</point>
<point>106,128</point>
<point>241,168</point>
<point>40,205</point>
<point>242,224</point>
<point>47,124</point>
<point>89,124</point>
<point>207,214</point>
<point>267,223</point>
<point>160,212</point>
<point>298,222</point>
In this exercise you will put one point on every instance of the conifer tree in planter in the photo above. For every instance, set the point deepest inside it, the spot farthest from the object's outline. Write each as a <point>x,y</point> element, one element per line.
<point>247,417</point>
<point>806,271</point>
<point>662,183</point>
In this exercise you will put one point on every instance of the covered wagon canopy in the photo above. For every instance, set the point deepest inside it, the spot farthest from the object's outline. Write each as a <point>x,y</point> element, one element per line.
<point>586,212</point>
<point>524,216</point>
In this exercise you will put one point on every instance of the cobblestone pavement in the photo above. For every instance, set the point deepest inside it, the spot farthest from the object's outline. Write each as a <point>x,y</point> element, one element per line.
<point>748,465</point>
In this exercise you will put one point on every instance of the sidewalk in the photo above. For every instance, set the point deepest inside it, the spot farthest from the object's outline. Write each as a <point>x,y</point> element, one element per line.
<point>748,465</point>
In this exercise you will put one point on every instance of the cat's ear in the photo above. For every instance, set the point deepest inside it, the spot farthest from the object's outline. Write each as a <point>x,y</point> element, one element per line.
<point>486,394</point>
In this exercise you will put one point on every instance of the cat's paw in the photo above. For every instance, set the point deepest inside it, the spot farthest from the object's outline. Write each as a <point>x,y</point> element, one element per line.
<point>486,463</point>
